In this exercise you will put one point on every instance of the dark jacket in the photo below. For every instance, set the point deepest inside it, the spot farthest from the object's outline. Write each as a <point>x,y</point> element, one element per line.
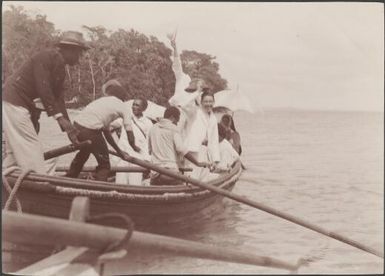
<point>42,76</point>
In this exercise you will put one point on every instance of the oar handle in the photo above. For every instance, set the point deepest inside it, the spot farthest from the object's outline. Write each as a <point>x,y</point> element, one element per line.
<point>180,169</point>
<point>22,228</point>
<point>257,205</point>
<point>66,149</point>
<point>136,169</point>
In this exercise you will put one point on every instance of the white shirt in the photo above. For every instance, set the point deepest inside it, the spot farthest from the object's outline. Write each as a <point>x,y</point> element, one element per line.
<point>166,145</point>
<point>100,113</point>
<point>203,127</point>
<point>228,155</point>
<point>141,128</point>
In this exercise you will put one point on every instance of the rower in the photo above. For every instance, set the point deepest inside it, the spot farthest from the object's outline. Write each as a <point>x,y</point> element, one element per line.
<point>166,147</point>
<point>93,122</point>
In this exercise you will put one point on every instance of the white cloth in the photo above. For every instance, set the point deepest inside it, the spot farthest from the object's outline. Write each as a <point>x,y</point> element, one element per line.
<point>23,147</point>
<point>204,127</point>
<point>100,113</point>
<point>141,127</point>
<point>228,155</point>
<point>200,126</point>
<point>194,124</point>
<point>182,80</point>
<point>201,156</point>
<point>141,141</point>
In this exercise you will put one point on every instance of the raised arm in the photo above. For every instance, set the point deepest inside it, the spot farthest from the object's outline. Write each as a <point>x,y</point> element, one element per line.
<point>176,62</point>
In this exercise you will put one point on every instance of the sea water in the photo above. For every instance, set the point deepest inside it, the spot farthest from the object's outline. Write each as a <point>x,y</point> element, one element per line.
<point>322,166</point>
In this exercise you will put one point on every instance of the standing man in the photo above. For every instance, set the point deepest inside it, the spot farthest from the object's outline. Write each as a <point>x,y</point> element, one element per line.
<point>141,126</point>
<point>38,86</point>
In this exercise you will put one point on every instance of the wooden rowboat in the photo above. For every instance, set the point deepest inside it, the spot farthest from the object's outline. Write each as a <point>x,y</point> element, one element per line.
<point>152,208</point>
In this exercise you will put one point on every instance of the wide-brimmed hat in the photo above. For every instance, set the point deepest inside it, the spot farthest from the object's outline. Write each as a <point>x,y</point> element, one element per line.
<point>73,38</point>
<point>193,86</point>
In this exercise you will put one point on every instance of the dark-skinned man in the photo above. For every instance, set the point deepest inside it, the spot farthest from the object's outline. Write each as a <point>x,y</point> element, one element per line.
<point>35,87</point>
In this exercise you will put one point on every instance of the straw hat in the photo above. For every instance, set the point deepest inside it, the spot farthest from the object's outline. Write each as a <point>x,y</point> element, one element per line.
<point>73,38</point>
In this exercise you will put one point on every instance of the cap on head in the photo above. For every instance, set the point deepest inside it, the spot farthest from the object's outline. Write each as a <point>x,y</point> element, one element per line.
<point>73,38</point>
<point>108,83</point>
<point>114,88</point>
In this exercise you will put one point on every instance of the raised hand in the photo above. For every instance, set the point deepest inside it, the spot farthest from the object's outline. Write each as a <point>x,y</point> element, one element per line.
<point>172,38</point>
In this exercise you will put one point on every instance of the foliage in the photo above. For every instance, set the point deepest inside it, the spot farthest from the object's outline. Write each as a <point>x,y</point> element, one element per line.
<point>23,36</point>
<point>142,64</point>
<point>203,66</point>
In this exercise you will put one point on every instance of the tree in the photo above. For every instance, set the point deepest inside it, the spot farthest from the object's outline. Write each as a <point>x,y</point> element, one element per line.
<point>200,65</point>
<point>142,64</point>
<point>23,36</point>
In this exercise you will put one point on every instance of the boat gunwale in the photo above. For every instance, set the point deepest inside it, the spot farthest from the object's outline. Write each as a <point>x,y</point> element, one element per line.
<point>123,188</point>
<point>146,198</point>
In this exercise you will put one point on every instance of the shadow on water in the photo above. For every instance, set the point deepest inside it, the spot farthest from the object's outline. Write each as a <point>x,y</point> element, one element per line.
<point>220,220</point>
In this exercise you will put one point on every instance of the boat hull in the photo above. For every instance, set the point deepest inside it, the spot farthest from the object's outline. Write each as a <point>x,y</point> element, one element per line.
<point>166,210</point>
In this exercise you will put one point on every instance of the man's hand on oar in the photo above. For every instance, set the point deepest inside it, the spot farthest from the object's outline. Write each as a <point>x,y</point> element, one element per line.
<point>71,131</point>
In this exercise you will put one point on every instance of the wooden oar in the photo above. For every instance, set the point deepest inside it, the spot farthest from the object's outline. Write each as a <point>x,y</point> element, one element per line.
<point>64,150</point>
<point>136,169</point>
<point>257,205</point>
<point>24,228</point>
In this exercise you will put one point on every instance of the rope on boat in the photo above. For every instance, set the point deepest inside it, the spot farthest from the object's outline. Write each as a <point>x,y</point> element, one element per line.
<point>12,191</point>
<point>133,196</point>
<point>128,221</point>
<point>115,248</point>
<point>8,187</point>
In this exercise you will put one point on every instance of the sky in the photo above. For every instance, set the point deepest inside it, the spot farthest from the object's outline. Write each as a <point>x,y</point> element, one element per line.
<point>324,56</point>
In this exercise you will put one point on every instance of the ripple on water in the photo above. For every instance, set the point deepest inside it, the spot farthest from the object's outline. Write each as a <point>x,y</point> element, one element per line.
<point>330,174</point>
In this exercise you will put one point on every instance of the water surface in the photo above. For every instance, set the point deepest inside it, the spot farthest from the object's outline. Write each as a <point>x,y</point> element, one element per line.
<point>324,167</point>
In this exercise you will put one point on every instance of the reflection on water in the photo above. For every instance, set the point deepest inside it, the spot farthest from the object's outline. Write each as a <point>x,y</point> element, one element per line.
<point>324,167</point>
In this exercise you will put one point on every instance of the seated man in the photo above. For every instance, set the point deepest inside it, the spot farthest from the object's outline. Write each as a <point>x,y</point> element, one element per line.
<point>94,121</point>
<point>166,147</point>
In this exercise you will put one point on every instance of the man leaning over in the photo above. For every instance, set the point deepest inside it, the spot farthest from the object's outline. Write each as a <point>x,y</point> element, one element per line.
<point>38,86</point>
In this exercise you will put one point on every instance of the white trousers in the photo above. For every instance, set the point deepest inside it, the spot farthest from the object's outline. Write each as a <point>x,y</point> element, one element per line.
<point>22,144</point>
<point>128,178</point>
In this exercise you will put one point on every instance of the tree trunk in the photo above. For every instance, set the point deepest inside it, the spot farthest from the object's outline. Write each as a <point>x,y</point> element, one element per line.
<point>79,80</point>
<point>93,78</point>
